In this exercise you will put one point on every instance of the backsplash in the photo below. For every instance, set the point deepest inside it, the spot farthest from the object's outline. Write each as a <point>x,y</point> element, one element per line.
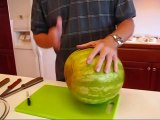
<point>147,20</point>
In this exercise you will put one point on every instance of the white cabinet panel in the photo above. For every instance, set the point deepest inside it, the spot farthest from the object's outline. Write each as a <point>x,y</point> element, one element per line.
<point>27,63</point>
<point>20,13</point>
<point>47,63</point>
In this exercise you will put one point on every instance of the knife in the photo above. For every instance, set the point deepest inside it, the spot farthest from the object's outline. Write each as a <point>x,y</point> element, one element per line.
<point>10,87</point>
<point>4,81</point>
<point>24,86</point>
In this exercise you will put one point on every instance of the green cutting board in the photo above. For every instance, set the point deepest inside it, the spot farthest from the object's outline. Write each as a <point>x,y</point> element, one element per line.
<point>54,102</point>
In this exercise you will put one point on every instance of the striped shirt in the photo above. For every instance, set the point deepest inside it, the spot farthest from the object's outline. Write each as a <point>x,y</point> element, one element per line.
<point>83,20</point>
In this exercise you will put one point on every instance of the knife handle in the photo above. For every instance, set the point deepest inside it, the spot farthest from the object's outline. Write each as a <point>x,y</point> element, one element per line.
<point>32,82</point>
<point>15,83</point>
<point>4,81</point>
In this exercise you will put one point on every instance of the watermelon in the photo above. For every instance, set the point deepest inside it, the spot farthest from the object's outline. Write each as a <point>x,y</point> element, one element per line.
<point>90,86</point>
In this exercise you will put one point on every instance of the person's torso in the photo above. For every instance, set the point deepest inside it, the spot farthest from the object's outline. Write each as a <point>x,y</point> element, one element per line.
<point>83,20</point>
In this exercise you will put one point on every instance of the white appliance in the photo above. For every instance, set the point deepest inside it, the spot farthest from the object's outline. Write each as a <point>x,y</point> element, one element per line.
<point>46,61</point>
<point>31,60</point>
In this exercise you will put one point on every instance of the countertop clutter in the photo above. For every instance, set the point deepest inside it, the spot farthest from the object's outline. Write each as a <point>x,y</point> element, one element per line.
<point>133,104</point>
<point>144,39</point>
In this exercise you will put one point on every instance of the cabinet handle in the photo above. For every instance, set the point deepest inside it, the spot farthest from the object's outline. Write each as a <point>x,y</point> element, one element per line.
<point>154,69</point>
<point>148,68</point>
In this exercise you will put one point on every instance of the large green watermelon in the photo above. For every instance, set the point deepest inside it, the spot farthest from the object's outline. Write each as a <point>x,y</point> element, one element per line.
<point>90,86</point>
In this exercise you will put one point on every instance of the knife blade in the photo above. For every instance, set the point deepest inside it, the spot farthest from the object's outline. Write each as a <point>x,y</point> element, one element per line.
<point>24,86</point>
<point>10,87</point>
<point>4,81</point>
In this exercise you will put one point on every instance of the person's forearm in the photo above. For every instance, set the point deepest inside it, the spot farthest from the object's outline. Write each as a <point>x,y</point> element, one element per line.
<point>43,40</point>
<point>52,38</point>
<point>125,29</point>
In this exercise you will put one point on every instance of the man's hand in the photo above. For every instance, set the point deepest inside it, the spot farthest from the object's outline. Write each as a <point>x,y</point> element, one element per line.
<point>107,49</point>
<point>55,34</point>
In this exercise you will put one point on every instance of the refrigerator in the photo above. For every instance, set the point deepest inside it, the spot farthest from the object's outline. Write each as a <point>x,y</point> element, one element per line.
<point>30,59</point>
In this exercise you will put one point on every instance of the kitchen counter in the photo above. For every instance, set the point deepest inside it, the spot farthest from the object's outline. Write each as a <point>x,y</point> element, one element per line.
<point>133,104</point>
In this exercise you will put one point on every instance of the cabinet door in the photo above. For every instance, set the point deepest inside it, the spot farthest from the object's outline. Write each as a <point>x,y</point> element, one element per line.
<point>155,77</point>
<point>3,5</point>
<point>7,64</point>
<point>5,31</point>
<point>137,75</point>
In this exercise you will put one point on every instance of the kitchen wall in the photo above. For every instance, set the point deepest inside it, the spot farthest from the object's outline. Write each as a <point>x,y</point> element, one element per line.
<point>147,20</point>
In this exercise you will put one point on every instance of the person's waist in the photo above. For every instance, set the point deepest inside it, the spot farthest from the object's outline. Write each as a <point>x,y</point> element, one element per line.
<point>68,49</point>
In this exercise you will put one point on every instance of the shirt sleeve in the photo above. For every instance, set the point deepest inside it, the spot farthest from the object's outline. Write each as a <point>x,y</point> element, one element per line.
<point>38,21</point>
<point>124,9</point>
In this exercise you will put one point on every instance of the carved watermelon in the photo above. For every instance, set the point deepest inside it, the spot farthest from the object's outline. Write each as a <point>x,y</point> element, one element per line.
<point>90,86</point>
